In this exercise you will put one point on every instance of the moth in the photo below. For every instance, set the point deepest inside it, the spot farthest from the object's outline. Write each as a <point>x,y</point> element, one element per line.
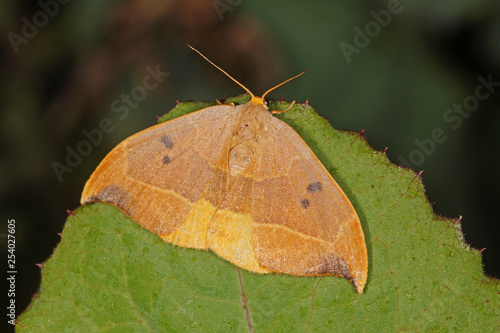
<point>240,182</point>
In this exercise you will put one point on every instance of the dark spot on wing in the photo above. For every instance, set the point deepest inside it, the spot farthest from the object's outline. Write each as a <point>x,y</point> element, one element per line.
<point>314,187</point>
<point>333,265</point>
<point>113,194</point>
<point>305,203</point>
<point>110,191</point>
<point>166,159</point>
<point>167,142</point>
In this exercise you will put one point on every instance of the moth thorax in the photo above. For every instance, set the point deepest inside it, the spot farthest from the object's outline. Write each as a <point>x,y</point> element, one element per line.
<point>251,124</point>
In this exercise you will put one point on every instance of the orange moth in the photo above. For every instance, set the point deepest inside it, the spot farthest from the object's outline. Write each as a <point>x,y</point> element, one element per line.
<point>238,181</point>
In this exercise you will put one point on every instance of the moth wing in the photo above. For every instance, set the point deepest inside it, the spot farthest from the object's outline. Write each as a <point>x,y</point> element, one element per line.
<point>303,222</point>
<point>160,175</point>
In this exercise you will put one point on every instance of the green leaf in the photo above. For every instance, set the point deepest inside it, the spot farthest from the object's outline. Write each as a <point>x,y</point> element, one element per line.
<point>110,274</point>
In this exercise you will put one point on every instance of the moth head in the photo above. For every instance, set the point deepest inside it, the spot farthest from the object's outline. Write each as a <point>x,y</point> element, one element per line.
<point>258,101</point>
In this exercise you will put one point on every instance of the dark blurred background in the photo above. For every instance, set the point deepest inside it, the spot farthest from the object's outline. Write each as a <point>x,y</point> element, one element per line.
<point>393,68</point>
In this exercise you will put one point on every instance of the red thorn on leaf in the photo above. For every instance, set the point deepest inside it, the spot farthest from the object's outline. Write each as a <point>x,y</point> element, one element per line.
<point>39,265</point>
<point>362,132</point>
<point>177,101</point>
<point>307,101</point>
<point>60,234</point>
<point>459,220</point>
<point>481,251</point>
<point>282,98</point>
<point>420,173</point>
<point>70,212</point>
<point>385,150</point>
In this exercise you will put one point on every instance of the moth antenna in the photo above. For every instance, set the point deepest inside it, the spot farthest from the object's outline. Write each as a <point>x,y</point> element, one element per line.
<point>282,83</point>
<point>232,78</point>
